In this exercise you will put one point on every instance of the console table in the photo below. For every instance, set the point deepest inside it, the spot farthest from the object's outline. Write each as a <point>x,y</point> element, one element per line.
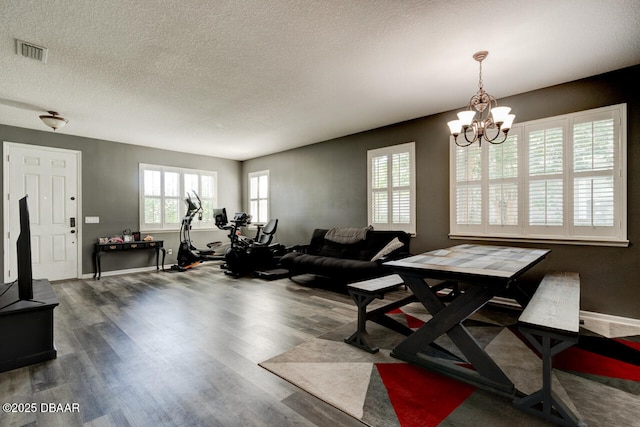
<point>102,248</point>
<point>26,326</point>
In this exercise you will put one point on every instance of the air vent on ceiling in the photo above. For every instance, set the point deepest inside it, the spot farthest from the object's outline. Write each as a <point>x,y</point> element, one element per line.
<point>31,51</point>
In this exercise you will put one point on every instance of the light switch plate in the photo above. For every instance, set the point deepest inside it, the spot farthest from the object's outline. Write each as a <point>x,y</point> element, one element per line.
<point>91,219</point>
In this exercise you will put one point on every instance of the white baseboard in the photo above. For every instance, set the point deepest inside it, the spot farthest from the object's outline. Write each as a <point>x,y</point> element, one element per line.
<point>119,272</point>
<point>610,318</point>
<point>592,315</point>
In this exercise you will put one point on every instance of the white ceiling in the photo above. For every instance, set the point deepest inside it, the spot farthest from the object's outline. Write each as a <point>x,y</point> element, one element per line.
<point>243,78</point>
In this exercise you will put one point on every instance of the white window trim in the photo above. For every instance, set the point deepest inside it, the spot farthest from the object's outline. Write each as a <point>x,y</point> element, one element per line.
<point>258,174</point>
<point>570,233</point>
<point>205,224</point>
<point>394,149</point>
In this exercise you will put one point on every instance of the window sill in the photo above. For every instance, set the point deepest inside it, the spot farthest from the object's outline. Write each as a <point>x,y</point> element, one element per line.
<point>554,241</point>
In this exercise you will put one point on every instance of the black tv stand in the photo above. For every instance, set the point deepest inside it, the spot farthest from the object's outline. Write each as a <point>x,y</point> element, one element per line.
<point>26,326</point>
<point>17,300</point>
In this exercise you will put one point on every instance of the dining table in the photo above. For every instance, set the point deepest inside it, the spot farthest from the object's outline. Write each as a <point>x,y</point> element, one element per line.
<point>478,273</point>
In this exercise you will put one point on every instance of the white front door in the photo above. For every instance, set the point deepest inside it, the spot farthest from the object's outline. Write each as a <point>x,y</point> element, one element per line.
<point>49,176</point>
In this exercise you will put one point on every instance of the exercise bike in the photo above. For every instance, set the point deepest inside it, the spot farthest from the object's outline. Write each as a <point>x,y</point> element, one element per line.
<point>250,255</point>
<point>188,255</point>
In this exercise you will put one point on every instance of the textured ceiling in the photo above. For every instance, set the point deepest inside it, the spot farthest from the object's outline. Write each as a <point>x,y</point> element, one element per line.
<point>243,78</point>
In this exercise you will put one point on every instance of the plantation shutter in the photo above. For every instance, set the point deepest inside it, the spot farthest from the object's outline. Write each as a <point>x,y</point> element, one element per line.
<point>380,184</point>
<point>593,164</point>
<point>172,198</point>
<point>152,198</point>
<point>401,191</point>
<point>468,185</point>
<point>546,176</point>
<point>503,183</point>
<point>259,196</point>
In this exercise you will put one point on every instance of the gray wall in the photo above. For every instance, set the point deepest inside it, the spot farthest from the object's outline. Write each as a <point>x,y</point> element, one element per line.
<point>324,185</point>
<point>110,190</point>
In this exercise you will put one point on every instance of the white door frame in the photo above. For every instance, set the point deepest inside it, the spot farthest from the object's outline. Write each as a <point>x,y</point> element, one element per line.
<point>5,188</point>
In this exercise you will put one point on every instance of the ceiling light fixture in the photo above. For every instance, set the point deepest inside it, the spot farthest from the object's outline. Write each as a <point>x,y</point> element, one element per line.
<point>491,116</point>
<point>53,120</point>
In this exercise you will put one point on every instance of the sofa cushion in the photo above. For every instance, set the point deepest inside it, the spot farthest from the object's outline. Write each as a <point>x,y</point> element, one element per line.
<point>389,248</point>
<point>347,235</point>
<point>349,251</point>
<point>317,241</point>
<point>377,240</point>
<point>345,270</point>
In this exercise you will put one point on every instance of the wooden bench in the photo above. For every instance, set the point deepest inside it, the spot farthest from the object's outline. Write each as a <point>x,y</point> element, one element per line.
<point>363,293</point>
<point>551,323</point>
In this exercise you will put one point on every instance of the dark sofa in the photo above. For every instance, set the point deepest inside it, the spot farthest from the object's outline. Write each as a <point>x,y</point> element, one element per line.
<point>345,262</point>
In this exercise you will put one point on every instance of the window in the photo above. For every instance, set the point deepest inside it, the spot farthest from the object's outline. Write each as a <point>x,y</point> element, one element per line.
<point>391,188</point>
<point>561,178</point>
<point>259,196</point>
<point>162,193</point>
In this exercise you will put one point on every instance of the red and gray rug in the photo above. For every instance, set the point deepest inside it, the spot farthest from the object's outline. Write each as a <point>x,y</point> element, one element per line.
<point>599,379</point>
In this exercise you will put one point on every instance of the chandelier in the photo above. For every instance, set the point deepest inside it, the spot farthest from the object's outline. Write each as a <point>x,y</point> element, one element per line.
<point>492,119</point>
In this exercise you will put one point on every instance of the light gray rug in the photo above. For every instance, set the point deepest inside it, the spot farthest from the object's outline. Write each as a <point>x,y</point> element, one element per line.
<point>383,391</point>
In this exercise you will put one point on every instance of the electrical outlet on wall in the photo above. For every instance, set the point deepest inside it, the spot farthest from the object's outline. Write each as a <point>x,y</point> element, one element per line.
<point>169,251</point>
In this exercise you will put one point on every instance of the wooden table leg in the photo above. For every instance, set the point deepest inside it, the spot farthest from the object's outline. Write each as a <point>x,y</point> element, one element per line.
<point>544,402</point>
<point>360,337</point>
<point>448,320</point>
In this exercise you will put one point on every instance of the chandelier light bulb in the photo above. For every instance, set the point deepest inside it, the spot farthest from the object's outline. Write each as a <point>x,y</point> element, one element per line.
<point>455,126</point>
<point>500,114</point>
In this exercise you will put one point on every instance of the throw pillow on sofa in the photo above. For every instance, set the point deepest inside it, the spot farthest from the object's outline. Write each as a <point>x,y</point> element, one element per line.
<point>390,247</point>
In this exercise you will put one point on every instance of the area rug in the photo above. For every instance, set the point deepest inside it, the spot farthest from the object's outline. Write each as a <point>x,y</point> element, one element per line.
<point>598,379</point>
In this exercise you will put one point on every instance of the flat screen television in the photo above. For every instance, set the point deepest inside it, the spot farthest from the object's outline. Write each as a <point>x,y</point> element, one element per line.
<point>23,246</point>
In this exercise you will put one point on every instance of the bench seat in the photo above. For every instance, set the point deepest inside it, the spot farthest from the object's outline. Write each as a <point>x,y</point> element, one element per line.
<point>551,323</point>
<point>363,293</point>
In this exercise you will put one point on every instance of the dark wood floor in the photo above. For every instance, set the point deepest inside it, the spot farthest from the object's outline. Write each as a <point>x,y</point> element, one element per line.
<point>177,349</point>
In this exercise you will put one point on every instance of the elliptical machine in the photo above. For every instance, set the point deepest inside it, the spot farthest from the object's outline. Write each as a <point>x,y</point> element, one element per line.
<point>188,255</point>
